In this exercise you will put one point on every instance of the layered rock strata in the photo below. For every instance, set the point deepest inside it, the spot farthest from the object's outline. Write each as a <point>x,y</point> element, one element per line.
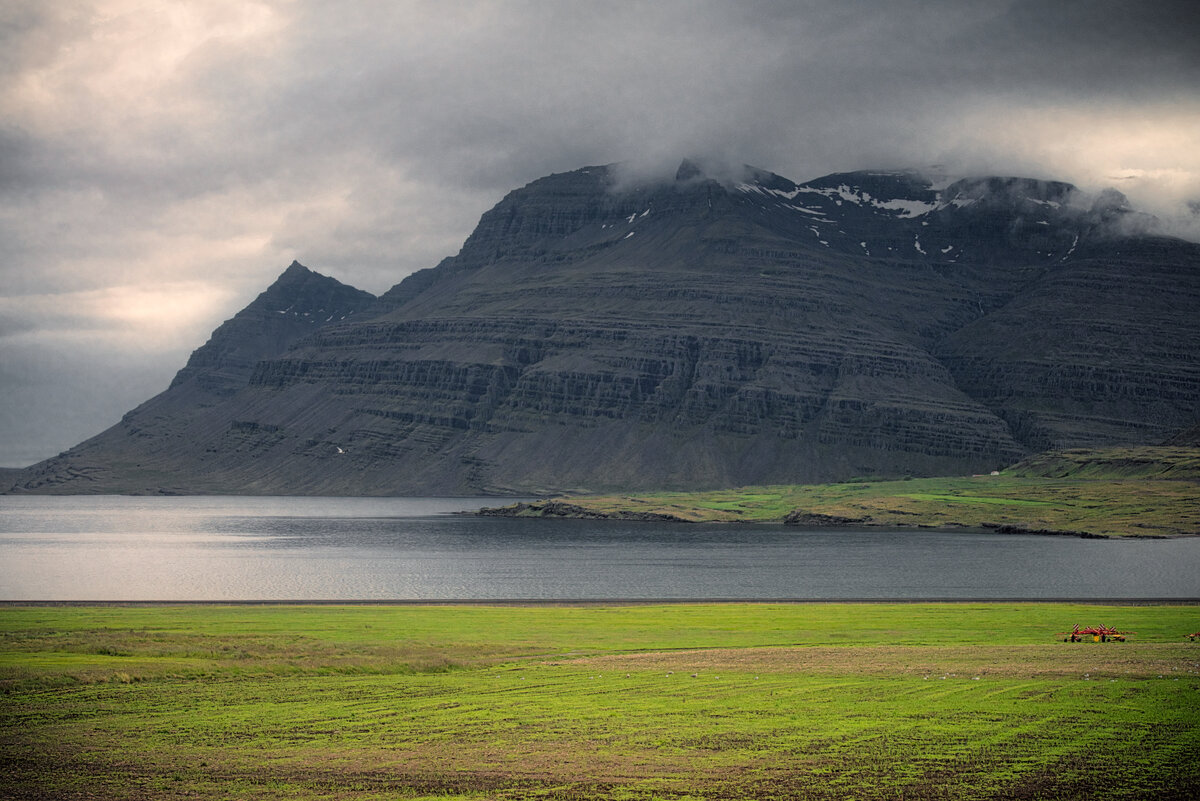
<point>689,334</point>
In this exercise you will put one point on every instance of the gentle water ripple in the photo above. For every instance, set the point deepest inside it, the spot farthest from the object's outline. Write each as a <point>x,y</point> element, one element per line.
<point>223,548</point>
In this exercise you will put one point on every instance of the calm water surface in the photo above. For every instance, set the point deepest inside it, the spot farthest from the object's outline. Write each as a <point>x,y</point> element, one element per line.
<point>231,548</point>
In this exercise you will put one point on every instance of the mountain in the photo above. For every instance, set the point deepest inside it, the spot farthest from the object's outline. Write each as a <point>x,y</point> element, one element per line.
<point>698,332</point>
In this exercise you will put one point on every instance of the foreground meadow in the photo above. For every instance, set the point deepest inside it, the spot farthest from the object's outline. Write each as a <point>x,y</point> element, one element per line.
<point>805,701</point>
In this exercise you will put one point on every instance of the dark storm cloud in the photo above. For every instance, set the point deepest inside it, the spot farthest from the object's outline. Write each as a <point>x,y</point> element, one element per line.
<point>161,163</point>
<point>497,94</point>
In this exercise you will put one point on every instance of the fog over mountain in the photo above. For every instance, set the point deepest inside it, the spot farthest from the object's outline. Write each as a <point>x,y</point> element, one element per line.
<point>160,163</point>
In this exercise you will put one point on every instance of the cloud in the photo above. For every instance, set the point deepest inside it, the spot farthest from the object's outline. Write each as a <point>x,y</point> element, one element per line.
<point>73,362</point>
<point>41,413</point>
<point>159,317</point>
<point>153,145</point>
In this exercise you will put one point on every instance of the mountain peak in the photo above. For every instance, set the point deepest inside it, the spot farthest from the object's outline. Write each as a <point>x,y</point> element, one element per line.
<point>297,303</point>
<point>296,273</point>
<point>1006,190</point>
<point>688,171</point>
<point>302,290</point>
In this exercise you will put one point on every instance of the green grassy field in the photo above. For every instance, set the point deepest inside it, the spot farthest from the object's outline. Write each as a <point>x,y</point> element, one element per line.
<point>820,701</point>
<point>1146,492</point>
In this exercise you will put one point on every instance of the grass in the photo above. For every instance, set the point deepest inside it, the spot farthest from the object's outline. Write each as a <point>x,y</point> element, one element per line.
<point>1143,492</point>
<point>817,701</point>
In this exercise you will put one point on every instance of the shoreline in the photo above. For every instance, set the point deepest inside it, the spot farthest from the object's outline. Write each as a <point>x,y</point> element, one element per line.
<point>602,602</point>
<point>799,520</point>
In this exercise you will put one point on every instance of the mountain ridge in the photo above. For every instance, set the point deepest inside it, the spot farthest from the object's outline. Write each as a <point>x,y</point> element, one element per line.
<point>695,333</point>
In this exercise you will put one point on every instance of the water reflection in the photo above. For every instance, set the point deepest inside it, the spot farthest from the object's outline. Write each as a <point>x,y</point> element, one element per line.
<point>113,548</point>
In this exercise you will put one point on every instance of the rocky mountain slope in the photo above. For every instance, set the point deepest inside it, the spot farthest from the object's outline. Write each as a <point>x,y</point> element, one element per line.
<point>692,333</point>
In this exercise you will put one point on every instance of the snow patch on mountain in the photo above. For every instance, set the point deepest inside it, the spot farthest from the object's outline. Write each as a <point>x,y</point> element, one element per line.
<point>901,207</point>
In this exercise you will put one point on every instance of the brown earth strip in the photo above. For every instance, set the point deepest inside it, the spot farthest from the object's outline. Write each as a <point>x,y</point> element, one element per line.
<point>1123,660</point>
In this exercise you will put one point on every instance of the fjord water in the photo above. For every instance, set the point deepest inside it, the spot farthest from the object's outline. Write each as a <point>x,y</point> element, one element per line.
<point>111,548</point>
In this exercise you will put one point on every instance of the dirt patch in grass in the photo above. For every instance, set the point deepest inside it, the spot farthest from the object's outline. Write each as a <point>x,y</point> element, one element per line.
<point>1115,660</point>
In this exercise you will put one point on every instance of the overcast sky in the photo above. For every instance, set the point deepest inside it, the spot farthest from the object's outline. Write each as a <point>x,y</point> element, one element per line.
<point>162,162</point>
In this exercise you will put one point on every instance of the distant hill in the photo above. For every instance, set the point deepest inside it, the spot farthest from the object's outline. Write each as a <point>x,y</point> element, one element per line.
<point>1189,437</point>
<point>1149,462</point>
<point>699,332</point>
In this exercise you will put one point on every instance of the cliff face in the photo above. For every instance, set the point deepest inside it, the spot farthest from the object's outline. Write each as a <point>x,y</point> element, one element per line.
<point>693,333</point>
